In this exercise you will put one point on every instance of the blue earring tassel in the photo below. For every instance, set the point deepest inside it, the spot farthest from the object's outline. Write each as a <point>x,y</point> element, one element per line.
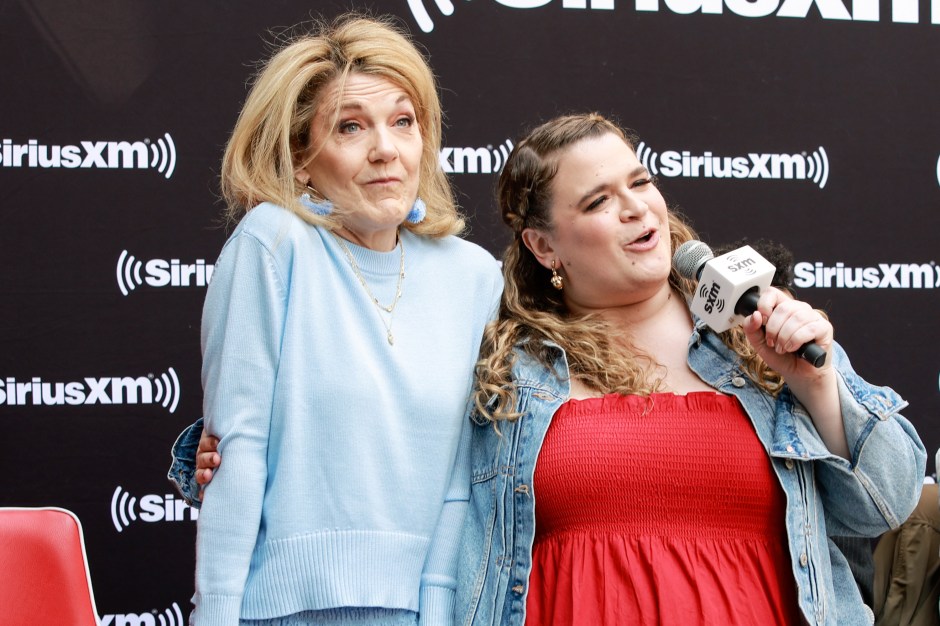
<point>418,212</point>
<point>320,208</point>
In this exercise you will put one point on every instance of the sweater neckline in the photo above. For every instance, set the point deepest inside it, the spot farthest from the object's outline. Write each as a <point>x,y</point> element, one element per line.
<point>373,262</point>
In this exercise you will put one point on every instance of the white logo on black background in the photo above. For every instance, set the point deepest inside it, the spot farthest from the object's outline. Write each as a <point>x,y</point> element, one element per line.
<point>881,276</point>
<point>169,617</point>
<point>163,389</point>
<point>812,167</point>
<point>488,160</point>
<point>446,7</point>
<point>160,273</point>
<point>159,155</point>
<point>127,509</point>
<point>902,11</point>
<point>421,14</point>
<point>165,153</point>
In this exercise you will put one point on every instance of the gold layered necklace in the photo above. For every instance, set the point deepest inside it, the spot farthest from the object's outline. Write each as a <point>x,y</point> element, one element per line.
<point>390,309</point>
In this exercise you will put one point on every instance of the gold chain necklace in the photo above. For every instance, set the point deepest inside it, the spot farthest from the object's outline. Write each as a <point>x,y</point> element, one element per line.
<point>390,309</point>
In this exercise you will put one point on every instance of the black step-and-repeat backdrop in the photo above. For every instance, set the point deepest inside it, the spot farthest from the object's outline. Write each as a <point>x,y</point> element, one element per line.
<point>810,122</point>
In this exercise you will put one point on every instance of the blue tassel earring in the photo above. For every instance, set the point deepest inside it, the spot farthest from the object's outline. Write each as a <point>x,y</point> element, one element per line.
<point>418,212</point>
<point>321,207</point>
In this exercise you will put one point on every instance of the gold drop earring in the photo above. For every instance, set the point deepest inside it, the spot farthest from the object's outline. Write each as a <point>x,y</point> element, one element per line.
<point>558,282</point>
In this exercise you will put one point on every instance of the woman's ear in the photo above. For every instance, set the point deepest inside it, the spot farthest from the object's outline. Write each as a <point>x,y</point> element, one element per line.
<point>540,245</point>
<point>301,161</point>
<point>302,176</point>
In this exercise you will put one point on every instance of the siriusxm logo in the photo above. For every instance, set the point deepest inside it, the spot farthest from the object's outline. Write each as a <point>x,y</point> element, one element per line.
<point>160,273</point>
<point>882,276</point>
<point>159,155</point>
<point>671,163</point>
<point>902,11</point>
<point>736,264</point>
<point>169,617</point>
<point>488,160</point>
<point>150,389</point>
<point>151,508</point>
<point>709,293</point>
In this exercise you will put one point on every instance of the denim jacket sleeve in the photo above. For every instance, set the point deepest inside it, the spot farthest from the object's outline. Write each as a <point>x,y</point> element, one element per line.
<point>879,486</point>
<point>182,471</point>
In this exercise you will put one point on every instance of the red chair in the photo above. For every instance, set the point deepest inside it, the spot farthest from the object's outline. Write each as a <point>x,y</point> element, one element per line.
<point>44,578</point>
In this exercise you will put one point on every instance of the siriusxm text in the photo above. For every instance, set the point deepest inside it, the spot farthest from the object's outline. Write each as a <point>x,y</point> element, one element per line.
<point>881,276</point>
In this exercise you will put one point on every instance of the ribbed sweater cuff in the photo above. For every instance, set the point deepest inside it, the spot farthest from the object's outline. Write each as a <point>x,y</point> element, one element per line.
<point>217,610</point>
<point>437,606</point>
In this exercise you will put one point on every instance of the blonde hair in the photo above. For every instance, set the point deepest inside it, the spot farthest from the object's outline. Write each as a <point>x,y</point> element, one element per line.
<point>273,128</point>
<point>532,312</point>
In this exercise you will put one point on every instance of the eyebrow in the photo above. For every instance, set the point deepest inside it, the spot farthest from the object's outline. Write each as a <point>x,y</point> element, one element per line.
<point>640,169</point>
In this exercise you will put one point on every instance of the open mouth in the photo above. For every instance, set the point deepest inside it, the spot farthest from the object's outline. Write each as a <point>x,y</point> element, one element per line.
<point>645,238</point>
<point>647,241</point>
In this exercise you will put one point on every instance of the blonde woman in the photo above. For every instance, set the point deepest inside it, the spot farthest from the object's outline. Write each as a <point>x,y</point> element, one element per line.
<point>339,335</point>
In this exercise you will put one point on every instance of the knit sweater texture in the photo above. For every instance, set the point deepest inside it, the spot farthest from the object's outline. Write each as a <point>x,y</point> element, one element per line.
<point>345,473</point>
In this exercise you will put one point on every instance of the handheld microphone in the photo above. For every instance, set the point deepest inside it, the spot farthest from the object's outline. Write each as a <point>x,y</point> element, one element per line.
<point>729,287</point>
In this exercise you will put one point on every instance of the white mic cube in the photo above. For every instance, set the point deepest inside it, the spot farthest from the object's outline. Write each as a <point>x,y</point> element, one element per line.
<point>724,280</point>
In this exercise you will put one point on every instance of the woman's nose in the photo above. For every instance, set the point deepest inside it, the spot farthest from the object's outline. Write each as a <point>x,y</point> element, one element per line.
<point>383,147</point>
<point>632,207</point>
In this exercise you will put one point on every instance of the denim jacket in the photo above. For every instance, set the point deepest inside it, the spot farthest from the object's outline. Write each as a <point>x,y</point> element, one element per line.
<point>826,494</point>
<point>182,472</point>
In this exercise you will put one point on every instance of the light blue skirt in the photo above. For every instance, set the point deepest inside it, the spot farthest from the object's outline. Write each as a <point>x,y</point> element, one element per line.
<point>344,616</point>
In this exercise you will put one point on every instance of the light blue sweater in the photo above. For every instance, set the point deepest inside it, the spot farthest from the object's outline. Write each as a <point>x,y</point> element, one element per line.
<point>346,461</point>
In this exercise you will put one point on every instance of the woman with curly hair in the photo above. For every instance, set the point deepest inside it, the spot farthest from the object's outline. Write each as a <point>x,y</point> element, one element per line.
<point>629,465</point>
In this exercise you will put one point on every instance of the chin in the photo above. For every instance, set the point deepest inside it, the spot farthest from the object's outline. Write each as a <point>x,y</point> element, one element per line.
<point>392,211</point>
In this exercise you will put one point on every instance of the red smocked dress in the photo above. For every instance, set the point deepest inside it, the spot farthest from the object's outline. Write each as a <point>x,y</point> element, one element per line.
<point>661,511</point>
